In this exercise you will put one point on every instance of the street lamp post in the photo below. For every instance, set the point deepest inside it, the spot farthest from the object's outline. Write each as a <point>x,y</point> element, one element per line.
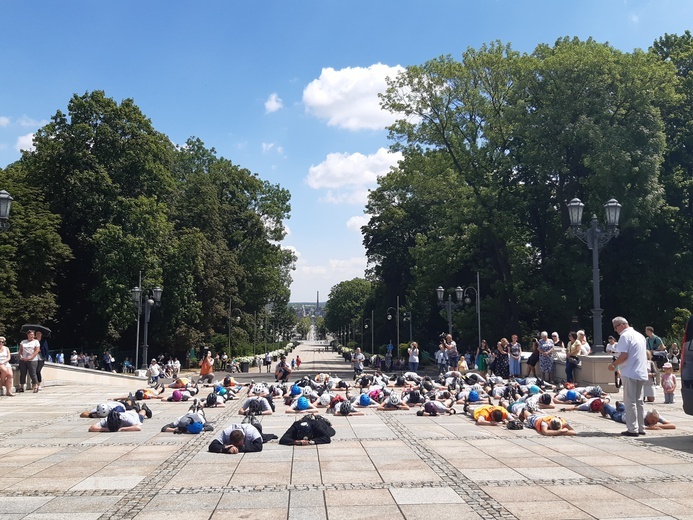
<point>389,317</point>
<point>406,316</point>
<point>468,300</point>
<point>238,320</point>
<point>145,300</point>
<point>367,325</point>
<point>5,204</point>
<point>448,304</point>
<point>595,237</point>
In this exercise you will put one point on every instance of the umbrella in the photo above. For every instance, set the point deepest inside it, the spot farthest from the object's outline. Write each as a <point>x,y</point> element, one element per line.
<point>39,328</point>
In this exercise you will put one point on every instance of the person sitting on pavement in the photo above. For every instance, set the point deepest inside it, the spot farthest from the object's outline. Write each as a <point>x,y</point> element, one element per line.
<point>549,425</point>
<point>191,422</point>
<point>310,430</point>
<point>282,371</point>
<point>116,421</point>
<point>237,438</point>
<point>206,369</point>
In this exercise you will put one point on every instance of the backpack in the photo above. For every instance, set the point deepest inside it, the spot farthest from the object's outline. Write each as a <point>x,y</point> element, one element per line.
<point>254,407</point>
<point>515,424</point>
<point>113,421</point>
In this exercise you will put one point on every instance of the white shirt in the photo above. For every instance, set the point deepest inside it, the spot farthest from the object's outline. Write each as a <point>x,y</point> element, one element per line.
<point>633,343</point>
<point>29,347</point>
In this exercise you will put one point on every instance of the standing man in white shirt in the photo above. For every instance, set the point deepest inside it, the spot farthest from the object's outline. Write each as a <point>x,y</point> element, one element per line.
<point>632,362</point>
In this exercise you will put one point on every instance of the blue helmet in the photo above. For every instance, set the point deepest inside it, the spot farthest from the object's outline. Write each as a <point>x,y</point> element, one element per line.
<point>571,395</point>
<point>364,400</point>
<point>195,427</point>
<point>296,390</point>
<point>473,396</point>
<point>303,403</point>
<point>534,389</point>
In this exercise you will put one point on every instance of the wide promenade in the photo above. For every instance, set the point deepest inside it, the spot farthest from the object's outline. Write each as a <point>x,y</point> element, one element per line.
<point>389,465</point>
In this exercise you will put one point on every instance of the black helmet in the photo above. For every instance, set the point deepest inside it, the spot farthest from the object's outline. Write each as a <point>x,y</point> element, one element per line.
<point>114,422</point>
<point>211,400</point>
<point>345,408</point>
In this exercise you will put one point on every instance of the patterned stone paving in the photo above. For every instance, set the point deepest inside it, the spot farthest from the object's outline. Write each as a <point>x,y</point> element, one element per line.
<point>657,462</point>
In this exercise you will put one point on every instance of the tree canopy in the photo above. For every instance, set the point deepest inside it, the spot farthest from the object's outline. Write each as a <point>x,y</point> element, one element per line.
<point>104,197</point>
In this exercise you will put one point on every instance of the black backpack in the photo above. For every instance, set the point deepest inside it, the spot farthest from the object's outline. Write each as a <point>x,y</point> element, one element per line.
<point>113,421</point>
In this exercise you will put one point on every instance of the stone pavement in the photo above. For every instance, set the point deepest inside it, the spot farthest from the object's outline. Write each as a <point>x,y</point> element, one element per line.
<point>382,465</point>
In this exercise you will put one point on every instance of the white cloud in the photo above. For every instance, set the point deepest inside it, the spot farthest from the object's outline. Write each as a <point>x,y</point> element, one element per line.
<point>634,18</point>
<point>31,123</point>
<point>347,177</point>
<point>25,142</point>
<point>339,170</point>
<point>356,222</point>
<point>273,103</point>
<point>348,98</point>
<point>287,230</point>
<point>4,121</point>
<point>268,147</point>
<point>357,197</point>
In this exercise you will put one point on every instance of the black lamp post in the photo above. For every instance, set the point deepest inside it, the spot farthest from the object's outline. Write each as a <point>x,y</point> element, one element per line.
<point>368,322</point>
<point>389,317</point>
<point>145,300</point>
<point>468,300</point>
<point>595,237</point>
<point>238,320</point>
<point>406,316</point>
<point>448,304</point>
<point>5,204</point>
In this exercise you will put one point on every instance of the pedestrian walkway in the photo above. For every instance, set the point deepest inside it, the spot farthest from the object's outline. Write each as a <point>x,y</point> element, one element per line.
<point>391,465</point>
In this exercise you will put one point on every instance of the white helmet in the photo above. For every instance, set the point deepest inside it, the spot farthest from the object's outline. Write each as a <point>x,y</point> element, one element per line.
<point>102,410</point>
<point>394,399</point>
<point>307,391</point>
<point>325,399</point>
<point>258,388</point>
<point>477,387</point>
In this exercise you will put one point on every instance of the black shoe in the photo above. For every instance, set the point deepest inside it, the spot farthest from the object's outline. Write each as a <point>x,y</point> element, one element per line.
<point>147,411</point>
<point>642,433</point>
<point>629,434</point>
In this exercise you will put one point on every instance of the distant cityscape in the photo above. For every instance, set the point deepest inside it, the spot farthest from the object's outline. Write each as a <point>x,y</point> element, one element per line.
<point>303,309</point>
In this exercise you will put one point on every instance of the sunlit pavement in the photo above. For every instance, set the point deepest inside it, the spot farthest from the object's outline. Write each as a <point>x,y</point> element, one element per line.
<point>381,465</point>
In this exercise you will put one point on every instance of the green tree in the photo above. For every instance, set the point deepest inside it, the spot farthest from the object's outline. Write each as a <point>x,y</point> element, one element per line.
<point>346,302</point>
<point>33,255</point>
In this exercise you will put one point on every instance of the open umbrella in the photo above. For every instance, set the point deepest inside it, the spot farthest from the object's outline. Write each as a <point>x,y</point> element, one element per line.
<point>30,326</point>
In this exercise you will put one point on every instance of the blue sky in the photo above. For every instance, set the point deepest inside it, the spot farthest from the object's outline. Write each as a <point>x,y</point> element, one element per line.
<point>286,89</point>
